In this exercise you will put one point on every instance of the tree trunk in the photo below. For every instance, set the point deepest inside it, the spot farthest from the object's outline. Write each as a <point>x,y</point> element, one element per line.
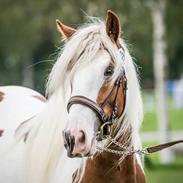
<point>160,63</point>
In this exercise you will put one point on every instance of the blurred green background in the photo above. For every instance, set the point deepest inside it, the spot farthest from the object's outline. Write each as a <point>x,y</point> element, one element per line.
<point>157,172</point>
<point>29,45</point>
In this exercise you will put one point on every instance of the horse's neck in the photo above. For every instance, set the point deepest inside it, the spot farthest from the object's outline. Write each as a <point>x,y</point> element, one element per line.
<point>131,171</point>
<point>106,168</point>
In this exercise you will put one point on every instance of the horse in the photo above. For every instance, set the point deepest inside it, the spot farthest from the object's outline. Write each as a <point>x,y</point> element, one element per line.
<point>87,131</point>
<point>17,106</point>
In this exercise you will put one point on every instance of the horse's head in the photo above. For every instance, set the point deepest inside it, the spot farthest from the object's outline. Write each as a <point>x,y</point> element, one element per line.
<point>97,84</point>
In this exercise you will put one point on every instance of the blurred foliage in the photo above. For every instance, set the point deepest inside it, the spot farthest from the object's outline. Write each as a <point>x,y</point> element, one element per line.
<point>28,31</point>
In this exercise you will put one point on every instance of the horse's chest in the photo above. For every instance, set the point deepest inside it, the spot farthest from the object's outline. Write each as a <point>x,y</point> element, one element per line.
<point>102,169</point>
<point>106,169</point>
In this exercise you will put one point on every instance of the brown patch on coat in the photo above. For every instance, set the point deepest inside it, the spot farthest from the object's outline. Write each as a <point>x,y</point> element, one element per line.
<point>39,97</point>
<point>128,170</point>
<point>1,132</point>
<point>104,168</point>
<point>104,93</point>
<point>139,173</point>
<point>1,96</point>
<point>101,169</point>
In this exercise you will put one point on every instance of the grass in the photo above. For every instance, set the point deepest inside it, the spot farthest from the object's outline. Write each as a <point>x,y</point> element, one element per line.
<point>154,170</point>
<point>150,122</point>
<point>172,173</point>
<point>158,173</point>
<point>150,118</point>
<point>176,120</point>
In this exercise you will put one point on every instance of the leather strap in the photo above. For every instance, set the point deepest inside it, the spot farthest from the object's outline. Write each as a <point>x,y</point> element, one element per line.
<point>153,149</point>
<point>78,99</point>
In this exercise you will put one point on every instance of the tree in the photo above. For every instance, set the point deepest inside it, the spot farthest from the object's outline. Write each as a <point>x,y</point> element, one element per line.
<point>160,63</point>
<point>28,34</point>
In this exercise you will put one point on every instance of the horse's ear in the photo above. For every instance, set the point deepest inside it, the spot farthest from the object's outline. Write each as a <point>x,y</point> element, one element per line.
<point>65,31</point>
<point>113,27</point>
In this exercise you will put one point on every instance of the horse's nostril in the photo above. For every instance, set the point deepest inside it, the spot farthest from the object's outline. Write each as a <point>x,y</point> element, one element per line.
<point>81,137</point>
<point>74,142</point>
<point>69,142</point>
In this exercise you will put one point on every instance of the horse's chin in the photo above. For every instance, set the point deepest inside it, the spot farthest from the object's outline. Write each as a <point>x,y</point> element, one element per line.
<point>88,154</point>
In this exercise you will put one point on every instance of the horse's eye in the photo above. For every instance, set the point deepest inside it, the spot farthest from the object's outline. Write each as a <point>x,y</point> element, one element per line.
<point>109,71</point>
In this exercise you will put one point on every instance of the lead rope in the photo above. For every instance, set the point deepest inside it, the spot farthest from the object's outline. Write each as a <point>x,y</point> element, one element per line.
<point>124,150</point>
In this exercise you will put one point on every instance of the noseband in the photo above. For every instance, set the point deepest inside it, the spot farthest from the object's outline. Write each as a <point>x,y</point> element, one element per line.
<point>105,120</point>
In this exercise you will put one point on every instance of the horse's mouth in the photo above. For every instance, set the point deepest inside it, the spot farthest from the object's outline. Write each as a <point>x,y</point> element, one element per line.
<point>88,153</point>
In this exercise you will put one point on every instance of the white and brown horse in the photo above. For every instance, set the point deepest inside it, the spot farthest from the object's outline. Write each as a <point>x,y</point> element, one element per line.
<point>17,105</point>
<point>88,129</point>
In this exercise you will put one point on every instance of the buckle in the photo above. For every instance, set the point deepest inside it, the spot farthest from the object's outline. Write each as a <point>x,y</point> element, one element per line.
<point>104,131</point>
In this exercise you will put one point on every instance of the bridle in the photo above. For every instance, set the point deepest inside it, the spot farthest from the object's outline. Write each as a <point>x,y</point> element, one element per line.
<point>105,120</point>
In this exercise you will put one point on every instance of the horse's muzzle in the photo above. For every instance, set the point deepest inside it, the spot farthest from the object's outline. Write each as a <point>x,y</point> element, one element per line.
<point>75,143</point>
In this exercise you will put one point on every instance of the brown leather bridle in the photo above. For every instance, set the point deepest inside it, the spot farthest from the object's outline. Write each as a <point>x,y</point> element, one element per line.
<point>105,120</point>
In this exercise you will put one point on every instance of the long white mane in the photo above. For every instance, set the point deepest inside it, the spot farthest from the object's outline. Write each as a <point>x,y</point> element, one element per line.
<point>45,155</point>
